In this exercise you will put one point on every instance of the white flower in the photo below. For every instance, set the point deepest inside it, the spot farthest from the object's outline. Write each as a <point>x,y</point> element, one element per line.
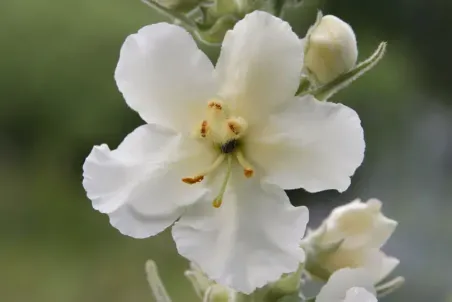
<point>331,49</point>
<point>348,285</point>
<point>363,230</point>
<point>220,147</point>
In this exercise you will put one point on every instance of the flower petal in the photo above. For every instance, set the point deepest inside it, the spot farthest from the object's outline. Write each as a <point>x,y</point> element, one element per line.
<point>260,65</point>
<point>378,264</point>
<point>359,294</point>
<point>249,241</point>
<point>359,224</point>
<point>388,265</point>
<point>309,144</point>
<point>337,287</point>
<point>131,222</point>
<point>164,76</point>
<point>140,183</point>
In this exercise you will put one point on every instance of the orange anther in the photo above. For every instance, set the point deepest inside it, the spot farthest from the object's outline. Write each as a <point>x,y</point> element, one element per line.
<point>248,172</point>
<point>192,180</point>
<point>212,104</point>
<point>233,128</point>
<point>204,128</point>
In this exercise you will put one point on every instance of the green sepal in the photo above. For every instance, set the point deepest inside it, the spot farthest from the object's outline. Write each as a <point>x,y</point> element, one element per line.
<point>155,283</point>
<point>328,90</point>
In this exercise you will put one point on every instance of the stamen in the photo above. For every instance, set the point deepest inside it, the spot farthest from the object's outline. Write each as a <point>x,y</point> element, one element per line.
<point>200,176</point>
<point>236,126</point>
<point>191,181</point>
<point>219,199</point>
<point>215,104</point>
<point>204,128</point>
<point>248,170</point>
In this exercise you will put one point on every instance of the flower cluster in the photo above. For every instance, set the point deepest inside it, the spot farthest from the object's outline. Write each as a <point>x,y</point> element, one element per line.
<point>221,144</point>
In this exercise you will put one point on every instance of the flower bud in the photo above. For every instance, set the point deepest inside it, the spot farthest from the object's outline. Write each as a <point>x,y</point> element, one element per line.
<point>330,51</point>
<point>179,5</point>
<point>359,224</point>
<point>352,236</point>
<point>218,293</point>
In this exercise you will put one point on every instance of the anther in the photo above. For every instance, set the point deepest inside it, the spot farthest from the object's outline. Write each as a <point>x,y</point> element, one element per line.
<point>204,128</point>
<point>193,180</point>
<point>236,127</point>
<point>248,170</point>
<point>215,104</point>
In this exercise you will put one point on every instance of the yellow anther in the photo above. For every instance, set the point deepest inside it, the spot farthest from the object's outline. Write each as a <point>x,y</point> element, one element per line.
<point>217,202</point>
<point>248,170</point>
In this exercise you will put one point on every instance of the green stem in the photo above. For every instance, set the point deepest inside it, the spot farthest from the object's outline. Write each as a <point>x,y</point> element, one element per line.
<point>278,7</point>
<point>174,16</point>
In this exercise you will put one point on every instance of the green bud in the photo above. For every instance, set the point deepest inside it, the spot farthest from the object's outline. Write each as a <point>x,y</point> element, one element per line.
<point>218,293</point>
<point>214,34</point>
<point>179,5</point>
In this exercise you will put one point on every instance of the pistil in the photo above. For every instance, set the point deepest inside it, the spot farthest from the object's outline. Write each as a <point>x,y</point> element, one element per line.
<point>219,199</point>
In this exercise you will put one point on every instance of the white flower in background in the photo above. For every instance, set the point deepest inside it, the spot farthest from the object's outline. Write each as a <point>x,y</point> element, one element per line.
<point>348,285</point>
<point>331,49</point>
<point>362,230</point>
<point>220,147</point>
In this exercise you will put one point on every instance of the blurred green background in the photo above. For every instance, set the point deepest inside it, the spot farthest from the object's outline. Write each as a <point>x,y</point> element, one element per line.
<point>58,98</point>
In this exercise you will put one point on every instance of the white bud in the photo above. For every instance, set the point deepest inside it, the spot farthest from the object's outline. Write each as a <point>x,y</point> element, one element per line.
<point>359,224</point>
<point>330,51</point>
<point>351,236</point>
<point>348,285</point>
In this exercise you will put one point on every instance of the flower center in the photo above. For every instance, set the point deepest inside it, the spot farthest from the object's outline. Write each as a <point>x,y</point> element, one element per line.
<point>224,131</point>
